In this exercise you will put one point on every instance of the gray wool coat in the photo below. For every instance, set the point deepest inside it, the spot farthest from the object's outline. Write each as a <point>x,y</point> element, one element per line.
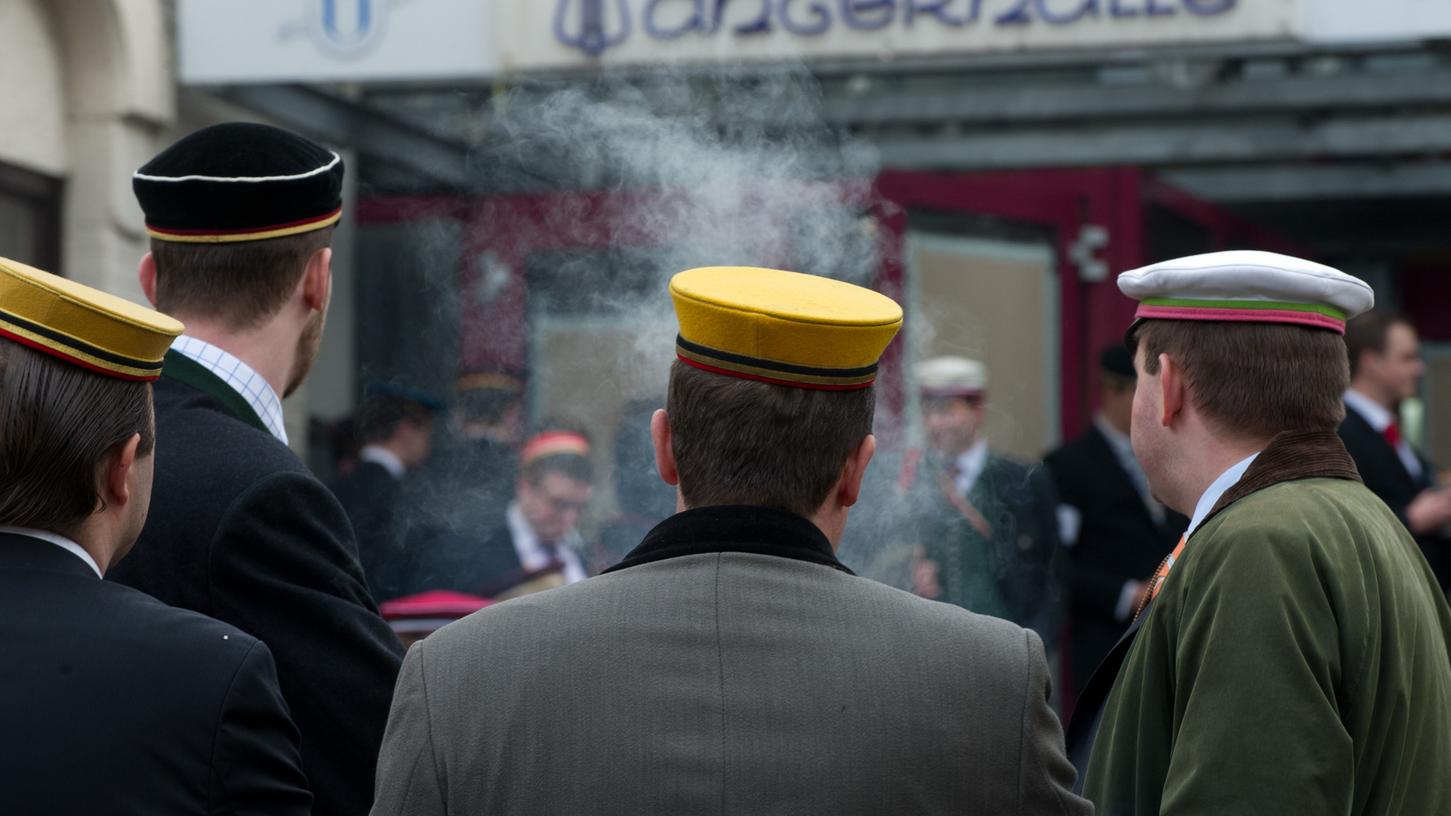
<point>730,665</point>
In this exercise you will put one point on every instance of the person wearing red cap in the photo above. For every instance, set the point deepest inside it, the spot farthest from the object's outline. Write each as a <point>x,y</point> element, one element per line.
<point>536,545</point>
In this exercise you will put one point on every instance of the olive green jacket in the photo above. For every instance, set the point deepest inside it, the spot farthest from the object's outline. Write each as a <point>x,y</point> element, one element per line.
<point>1294,662</point>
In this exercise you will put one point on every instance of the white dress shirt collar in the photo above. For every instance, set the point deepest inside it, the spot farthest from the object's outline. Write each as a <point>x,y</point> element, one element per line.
<point>241,377</point>
<point>1379,418</point>
<point>1216,490</point>
<point>58,540</point>
<point>970,464</point>
<point>384,457</point>
<point>1371,411</point>
<point>531,552</point>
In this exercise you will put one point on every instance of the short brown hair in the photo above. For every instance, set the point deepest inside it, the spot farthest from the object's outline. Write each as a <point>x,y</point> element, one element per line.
<point>57,423</point>
<point>381,415</point>
<point>1253,380</point>
<point>242,282</point>
<point>739,441</point>
<point>1369,332</point>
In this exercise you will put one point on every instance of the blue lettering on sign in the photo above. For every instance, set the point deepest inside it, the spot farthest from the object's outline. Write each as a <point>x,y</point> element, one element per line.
<point>1066,13</point>
<point>937,9</point>
<point>819,12</point>
<point>595,26</point>
<point>591,28</point>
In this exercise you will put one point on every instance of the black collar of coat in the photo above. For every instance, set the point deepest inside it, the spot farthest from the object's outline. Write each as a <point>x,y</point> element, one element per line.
<point>28,553</point>
<point>1290,456</point>
<point>737,529</point>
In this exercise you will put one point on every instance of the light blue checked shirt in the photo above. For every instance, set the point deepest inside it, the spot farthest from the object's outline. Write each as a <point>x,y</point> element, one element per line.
<point>240,376</point>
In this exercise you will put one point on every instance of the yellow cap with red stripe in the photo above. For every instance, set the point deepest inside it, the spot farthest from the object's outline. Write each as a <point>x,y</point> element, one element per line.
<point>82,326</point>
<point>784,328</point>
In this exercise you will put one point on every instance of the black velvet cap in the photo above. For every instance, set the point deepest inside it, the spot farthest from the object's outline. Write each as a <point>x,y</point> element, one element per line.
<point>1117,360</point>
<point>239,181</point>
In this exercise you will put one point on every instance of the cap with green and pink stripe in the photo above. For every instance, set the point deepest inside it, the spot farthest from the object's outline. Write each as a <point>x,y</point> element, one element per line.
<point>1243,311</point>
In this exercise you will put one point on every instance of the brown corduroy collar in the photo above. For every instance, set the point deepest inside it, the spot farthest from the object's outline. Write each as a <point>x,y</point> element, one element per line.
<point>1291,456</point>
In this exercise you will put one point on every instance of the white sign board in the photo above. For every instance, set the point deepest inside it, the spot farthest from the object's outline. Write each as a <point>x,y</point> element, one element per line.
<point>226,41</point>
<point>1341,21</point>
<point>563,33</point>
<point>244,41</point>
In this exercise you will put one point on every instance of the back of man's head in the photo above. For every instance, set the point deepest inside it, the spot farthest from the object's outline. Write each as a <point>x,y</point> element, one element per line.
<point>1253,380</point>
<point>58,425</point>
<point>239,285</point>
<point>382,414</point>
<point>741,441</point>
<point>235,212</point>
<point>1370,333</point>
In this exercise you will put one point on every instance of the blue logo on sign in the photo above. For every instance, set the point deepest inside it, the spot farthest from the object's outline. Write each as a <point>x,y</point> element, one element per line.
<point>593,26</point>
<point>348,25</point>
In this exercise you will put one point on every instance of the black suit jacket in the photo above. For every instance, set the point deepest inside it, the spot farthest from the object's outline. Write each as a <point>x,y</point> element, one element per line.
<point>479,560</point>
<point>1386,476</point>
<point>370,496</point>
<point>116,703</point>
<point>241,530</point>
<point>1118,541</point>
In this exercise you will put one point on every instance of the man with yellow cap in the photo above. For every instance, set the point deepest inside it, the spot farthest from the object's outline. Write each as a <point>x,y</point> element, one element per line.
<point>1292,656</point>
<point>240,217</point>
<point>113,702</point>
<point>731,664</point>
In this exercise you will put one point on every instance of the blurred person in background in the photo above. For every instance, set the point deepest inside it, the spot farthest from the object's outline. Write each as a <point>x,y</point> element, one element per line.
<point>241,218</point>
<point>1116,532</point>
<point>535,544</point>
<point>642,500</point>
<point>1385,369</point>
<point>396,428</point>
<point>986,524</point>
<point>113,701</point>
<point>731,664</point>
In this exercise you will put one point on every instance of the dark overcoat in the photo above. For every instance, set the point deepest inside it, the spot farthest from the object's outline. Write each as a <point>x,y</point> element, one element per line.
<point>116,703</point>
<point>240,530</point>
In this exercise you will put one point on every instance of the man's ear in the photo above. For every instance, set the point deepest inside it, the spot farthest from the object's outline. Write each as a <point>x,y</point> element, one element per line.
<point>849,488</point>
<point>1171,389</point>
<point>664,454</point>
<point>317,280</point>
<point>116,473</point>
<point>146,273</point>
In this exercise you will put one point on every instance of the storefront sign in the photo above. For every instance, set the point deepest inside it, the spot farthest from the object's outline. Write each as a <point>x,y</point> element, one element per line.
<point>334,40</point>
<point>643,31</point>
<point>362,40</point>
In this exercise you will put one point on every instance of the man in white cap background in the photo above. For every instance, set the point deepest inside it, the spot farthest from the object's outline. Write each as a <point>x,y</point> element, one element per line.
<point>1292,655</point>
<point>984,525</point>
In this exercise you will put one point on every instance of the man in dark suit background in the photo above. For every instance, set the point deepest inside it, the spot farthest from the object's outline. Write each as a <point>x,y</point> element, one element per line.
<point>240,218</point>
<point>113,702</point>
<point>1116,533</point>
<point>396,427</point>
<point>536,545</point>
<point>1385,369</point>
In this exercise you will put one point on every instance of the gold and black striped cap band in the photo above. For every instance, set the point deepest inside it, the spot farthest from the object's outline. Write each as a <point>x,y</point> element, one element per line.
<point>82,326</point>
<point>772,371</point>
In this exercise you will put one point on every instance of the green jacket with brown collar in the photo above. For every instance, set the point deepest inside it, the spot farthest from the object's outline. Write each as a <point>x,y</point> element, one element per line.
<point>1295,661</point>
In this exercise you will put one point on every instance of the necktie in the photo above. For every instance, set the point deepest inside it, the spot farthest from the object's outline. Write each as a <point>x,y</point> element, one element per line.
<point>1157,582</point>
<point>1392,434</point>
